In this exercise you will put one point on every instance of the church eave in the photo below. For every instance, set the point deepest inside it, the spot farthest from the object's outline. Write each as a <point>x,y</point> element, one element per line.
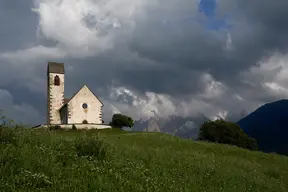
<point>90,91</point>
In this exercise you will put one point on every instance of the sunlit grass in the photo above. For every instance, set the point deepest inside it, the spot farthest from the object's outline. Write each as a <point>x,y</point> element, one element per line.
<point>115,160</point>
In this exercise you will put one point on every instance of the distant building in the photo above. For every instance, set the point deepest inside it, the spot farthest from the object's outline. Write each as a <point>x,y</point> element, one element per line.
<point>83,109</point>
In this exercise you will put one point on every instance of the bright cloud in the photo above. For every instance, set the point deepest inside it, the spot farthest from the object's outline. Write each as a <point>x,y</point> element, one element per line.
<point>34,53</point>
<point>86,27</point>
<point>271,73</point>
<point>216,99</point>
<point>80,28</point>
<point>143,106</point>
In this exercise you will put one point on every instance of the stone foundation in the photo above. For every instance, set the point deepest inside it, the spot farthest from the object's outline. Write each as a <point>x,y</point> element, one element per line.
<point>78,126</point>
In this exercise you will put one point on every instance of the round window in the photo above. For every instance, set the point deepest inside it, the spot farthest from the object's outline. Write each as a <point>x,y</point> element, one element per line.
<point>84,105</point>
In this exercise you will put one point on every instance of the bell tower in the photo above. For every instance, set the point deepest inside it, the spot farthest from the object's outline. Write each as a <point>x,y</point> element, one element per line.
<point>55,91</point>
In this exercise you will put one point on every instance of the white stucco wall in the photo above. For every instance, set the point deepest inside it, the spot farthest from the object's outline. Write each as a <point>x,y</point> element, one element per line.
<point>55,97</point>
<point>93,113</point>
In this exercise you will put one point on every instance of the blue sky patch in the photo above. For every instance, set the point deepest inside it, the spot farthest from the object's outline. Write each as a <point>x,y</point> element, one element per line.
<point>208,8</point>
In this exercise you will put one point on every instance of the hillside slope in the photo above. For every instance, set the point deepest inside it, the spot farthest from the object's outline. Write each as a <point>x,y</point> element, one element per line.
<point>133,161</point>
<point>268,125</point>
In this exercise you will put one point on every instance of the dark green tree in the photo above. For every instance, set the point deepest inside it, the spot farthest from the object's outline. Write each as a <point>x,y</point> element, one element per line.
<point>119,120</point>
<point>220,131</point>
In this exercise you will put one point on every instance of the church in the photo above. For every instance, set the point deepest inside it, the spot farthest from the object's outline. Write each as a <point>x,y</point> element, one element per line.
<point>83,109</point>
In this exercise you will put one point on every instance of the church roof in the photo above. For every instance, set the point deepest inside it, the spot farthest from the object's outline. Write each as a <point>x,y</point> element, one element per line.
<point>54,67</point>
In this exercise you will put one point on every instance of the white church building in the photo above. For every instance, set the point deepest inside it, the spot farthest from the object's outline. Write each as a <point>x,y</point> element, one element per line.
<point>83,109</point>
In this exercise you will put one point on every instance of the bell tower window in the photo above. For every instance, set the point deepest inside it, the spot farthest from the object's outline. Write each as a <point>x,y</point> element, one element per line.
<point>56,80</point>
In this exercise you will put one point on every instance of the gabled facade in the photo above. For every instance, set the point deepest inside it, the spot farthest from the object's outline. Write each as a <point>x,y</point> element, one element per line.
<point>83,108</point>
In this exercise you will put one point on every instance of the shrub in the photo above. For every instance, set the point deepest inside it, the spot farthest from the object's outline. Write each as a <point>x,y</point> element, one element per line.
<point>91,147</point>
<point>119,120</point>
<point>221,131</point>
<point>7,135</point>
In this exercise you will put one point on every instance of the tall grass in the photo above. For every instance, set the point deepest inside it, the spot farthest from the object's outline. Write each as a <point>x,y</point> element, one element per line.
<point>91,147</point>
<point>113,160</point>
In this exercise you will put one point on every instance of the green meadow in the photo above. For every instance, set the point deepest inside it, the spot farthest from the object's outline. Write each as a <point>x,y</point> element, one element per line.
<point>116,160</point>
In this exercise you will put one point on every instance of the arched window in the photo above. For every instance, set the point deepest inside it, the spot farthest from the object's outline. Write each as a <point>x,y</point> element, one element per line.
<point>85,122</point>
<point>56,80</point>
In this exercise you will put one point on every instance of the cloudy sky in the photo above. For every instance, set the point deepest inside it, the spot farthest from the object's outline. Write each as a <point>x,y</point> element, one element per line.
<point>173,57</point>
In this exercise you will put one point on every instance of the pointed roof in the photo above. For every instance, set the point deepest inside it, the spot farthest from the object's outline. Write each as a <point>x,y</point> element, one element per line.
<point>89,90</point>
<point>54,67</point>
<point>66,100</point>
<point>93,94</point>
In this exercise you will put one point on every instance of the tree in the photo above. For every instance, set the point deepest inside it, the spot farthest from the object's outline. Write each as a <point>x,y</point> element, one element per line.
<point>119,120</point>
<point>225,132</point>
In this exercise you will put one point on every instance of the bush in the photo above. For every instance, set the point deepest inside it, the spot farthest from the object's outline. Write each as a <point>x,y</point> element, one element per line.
<point>91,147</point>
<point>119,120</point>
<point>7,135</point>
<point>221,131</point>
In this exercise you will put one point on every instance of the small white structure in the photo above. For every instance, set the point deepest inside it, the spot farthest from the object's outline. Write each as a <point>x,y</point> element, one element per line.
<point>83,109</point>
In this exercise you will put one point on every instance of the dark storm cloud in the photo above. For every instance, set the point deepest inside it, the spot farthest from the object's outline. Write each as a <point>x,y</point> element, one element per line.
<point>271,18</point>
<point>167,53</point>
<point>184,47</point>
<point>18,30</point>
<point>180,50</point>
<point>17,24</point>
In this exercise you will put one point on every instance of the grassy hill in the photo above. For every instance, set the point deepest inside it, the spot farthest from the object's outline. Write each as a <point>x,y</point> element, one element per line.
<point>114,160</point>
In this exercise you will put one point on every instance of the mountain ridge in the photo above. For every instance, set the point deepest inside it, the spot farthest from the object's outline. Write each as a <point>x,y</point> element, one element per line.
<point>267,124</point>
